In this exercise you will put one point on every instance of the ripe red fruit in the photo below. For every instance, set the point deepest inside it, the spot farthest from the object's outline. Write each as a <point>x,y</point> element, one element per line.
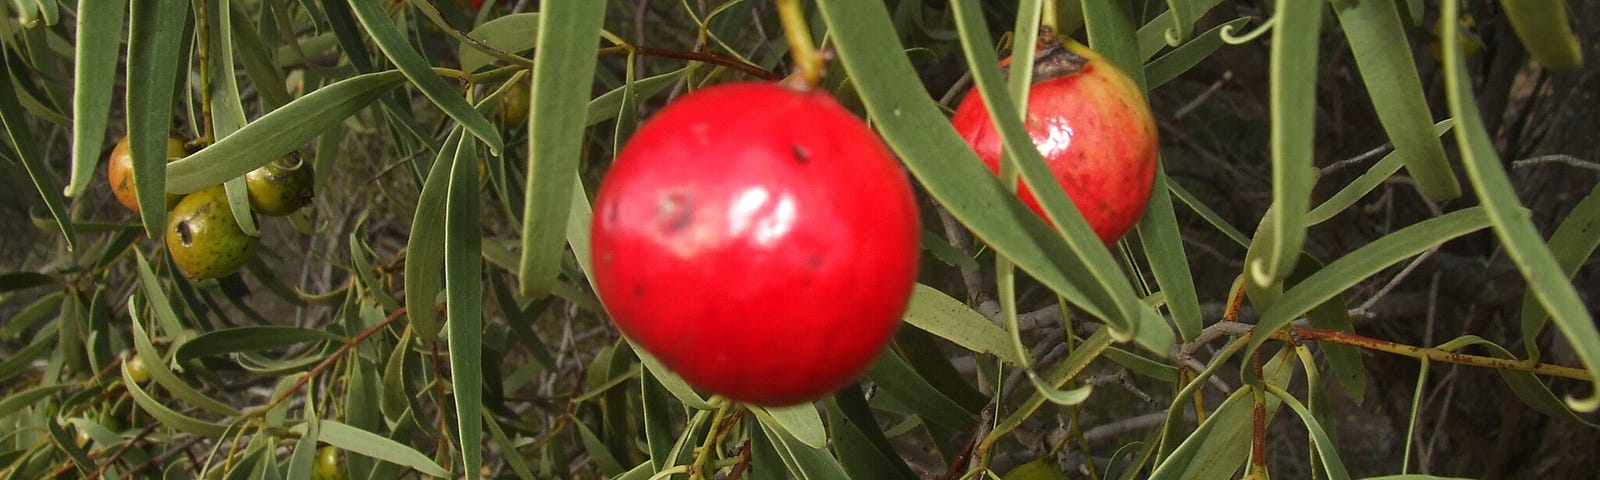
<point>1091,124</point>
<point>760,241</point>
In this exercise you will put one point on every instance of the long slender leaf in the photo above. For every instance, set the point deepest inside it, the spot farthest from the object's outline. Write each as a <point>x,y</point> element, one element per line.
<point>95,73</point>
<point>249,339</point>
<point>278,133</point>
<point>1222,443</point>
<point>1294,103</point>
<point>22,138</point>
<point>1363,263</point>
<point>1515,230</point>
<point>227,109</point>
<point>373,445</point>
<point>561,82</point>
<point>1390,75</point>
<point>948,318</point>
<point>1571,244</point>
<point>1364,184</point>
<point>1181,59</point>
<point>393,43</point>
<point>805,461</point>
<point>463,283</point>
<point>1543,28</point>
<point>425,248</point>
<point>513,33</point>
<point>1326,450</point>
<point>155,39</point>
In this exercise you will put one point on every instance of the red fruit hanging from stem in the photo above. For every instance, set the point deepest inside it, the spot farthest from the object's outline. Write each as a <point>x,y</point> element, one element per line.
<point>759,240</point>
<point>1094,129</point>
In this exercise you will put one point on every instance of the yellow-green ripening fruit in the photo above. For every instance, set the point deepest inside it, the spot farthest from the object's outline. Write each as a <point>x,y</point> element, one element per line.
<point>281,187</point>
<point>204,239</point>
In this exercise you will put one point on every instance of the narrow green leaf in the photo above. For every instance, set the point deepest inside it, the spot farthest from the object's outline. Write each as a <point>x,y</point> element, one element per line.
<point>1363,263</point>
<point>1390,75</point>
<point>463,283</point>
<point>165,316</point>
<point>1364,184</point>
<point>512,34</point>
<point>15,401</point>
<point>373,445</point>
<point>562,77</point>
<point>20,361</point>
<point>603,459</point>
<point>519,465</point>
<point>95,75</point>
<point>898,380</point>
<point>257,64</point>
<point>1186,56</point>
<point>804,461</point>
<point>25,280</point>
<point>859,442</point>
<point>249,339</point>
<point>278,133</point>
<point>1162,242</point>
<point>1543,27</point>
<point>1210,216</point>
<point>163,375</point>
<point>1109,26</point>
<point>1326,450</point>
<point>1222,443</point>
<point>799,421</point>
<point>1546,279</point>
<point>393,43</point>
<point>948,318</point>
<point>425,248</point>
<point>608,105</point>
<point>22,138</point>
<point>1153,36</point>
<point>656,415</point>
<point>1042,468</point>
<point>155,40</point>
<point>1069,368</point>
<point>1572,244</point>
<point>1293,94</point>
<point>227,109</point>
<point>168,416</point>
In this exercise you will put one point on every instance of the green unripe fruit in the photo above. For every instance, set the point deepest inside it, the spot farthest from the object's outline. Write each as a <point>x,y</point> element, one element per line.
<point>281,187</point>
<point>204,239</point>
<point>328,465</point>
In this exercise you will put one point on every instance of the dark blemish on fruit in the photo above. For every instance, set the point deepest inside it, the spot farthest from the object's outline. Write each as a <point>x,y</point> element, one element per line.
<point>800,153</point>
<point>185,233</point>
<point>638,291</point>
<point>674,212</point>
<point>813,261</point>
<point>608,257</point>
<point>611,214</point>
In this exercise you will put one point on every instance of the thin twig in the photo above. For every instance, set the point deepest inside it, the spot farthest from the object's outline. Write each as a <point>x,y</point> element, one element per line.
<point>1562,159</point>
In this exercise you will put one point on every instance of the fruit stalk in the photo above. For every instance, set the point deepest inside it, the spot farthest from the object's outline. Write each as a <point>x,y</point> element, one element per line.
<point>807,62</point>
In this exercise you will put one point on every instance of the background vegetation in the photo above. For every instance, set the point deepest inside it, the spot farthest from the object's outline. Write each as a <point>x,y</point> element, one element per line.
<point>1370,255</point>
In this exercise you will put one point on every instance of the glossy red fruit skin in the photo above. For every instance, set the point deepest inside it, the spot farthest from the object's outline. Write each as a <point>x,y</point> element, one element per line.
<point>1096,135</point>
<point>759,241</point>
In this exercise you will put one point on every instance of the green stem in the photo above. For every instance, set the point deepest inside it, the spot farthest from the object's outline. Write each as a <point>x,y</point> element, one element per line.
<point>808,63</point>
